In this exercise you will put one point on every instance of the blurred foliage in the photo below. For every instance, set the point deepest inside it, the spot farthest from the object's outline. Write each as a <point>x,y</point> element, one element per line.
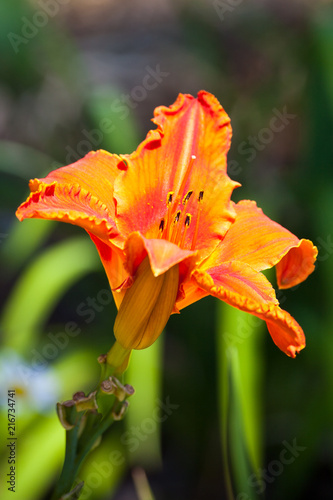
<point>72,79</point>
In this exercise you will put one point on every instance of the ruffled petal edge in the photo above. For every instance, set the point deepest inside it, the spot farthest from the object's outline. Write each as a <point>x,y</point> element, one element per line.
<point>284,329</point>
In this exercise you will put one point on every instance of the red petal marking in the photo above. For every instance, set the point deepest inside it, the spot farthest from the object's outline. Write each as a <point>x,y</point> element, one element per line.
<point>81,194</point>
<point>163,163</point>
<point>68,204</point>
<point>113,262</point>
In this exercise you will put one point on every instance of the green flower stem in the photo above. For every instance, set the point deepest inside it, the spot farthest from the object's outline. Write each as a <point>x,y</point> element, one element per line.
<point>78,446</point>
<point>70,466</point>
<point>117,359</point>
<point>86,418</point>
<point>88,441</point>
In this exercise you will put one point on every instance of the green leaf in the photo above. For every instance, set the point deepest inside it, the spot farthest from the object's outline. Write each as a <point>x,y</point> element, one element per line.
<point>41,286</point>
<point>144,373</point>
<point>74,494</point>
<point>323,45</point>
<point>36,465</point>
<point>240,377</point>
<point>115,127</point>
<point>33,234</point>
<point>23,161</point>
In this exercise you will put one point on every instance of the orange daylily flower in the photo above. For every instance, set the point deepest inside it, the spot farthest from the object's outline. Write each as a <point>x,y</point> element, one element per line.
<point>167,231</point>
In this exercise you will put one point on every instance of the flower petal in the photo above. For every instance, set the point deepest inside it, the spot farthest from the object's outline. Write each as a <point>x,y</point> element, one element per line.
<point>146,307</point>
<point>162,254</point>
<point>297,264</point>
<point>190,292</point>
<point>76,194</point>
<point>260,242</point>
<point>241,286</point>
<point>163,164</point>
<point>113,261</point>
<point>242,279</point>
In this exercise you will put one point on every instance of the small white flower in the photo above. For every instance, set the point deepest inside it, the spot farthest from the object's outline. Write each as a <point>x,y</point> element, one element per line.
<point>35,390</point>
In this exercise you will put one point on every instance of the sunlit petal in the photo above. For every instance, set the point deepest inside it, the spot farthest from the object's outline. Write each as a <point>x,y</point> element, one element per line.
<point>186,153</point>
<point>146,307</point>
<point>248,290</point>
<point>162,254</point>
<point>167,231</point>
<point>76,194</point>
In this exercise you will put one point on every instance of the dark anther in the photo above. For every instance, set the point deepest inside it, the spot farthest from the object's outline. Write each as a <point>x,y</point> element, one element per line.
<point>200,196</point>
<point>161,226</point>
<point>187,197</point>
<point>169,197</point>
<point>177,216</point>
<point>187,220</point>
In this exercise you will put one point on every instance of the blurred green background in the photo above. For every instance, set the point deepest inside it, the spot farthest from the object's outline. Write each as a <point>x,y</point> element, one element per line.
<point>219,411</point>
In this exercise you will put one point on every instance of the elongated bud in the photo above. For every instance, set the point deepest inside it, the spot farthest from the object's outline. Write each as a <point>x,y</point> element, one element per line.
<point>146,307</point>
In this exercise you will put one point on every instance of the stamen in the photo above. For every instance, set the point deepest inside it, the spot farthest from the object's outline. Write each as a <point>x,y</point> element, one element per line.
<point>187,173</point>
<point>188,220</point>
<point>161,226</point>
<point>166,221</point>
<point>195,235</point>
<point>169,197</point>
<point>187,197</point>
<point>176,219</point>
<point>186,224</point>
<point>175,201</point>
<point>176,227</point>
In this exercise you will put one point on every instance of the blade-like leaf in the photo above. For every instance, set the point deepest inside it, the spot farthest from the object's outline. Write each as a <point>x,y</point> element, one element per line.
<point>40,287</point>
<point>144,373</point>
<point>240,373</point>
